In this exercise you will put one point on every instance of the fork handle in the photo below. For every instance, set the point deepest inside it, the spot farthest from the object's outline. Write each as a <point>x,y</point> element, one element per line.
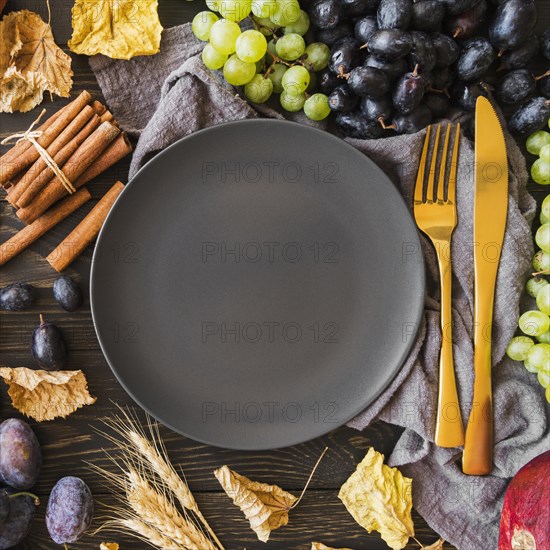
<point>449,431</point>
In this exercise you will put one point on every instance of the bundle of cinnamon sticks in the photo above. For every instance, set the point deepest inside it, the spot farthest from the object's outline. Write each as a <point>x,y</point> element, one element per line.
<point>83,140</point>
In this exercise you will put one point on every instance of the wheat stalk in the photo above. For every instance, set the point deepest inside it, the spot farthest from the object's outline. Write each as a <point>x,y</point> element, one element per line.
<point>148,533</point>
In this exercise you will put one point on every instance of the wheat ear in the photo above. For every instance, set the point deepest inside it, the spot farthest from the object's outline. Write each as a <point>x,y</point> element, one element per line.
<point>147,533</point>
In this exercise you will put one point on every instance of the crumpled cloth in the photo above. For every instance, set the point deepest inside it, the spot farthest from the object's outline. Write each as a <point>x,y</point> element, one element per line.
<point>162,98</point>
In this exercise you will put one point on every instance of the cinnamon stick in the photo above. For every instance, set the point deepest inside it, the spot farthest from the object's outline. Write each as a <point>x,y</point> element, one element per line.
<point>26,236</point>
<point>85,232</point>
<point>36,185</point>
<point>80,160</point>
<point>107,116</point>
<point>98,107</point>
<point>68,134</point>
<point>22,161</point>
<point>120,147</point>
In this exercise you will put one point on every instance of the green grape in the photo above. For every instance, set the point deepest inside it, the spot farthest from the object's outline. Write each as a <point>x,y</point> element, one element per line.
<point>544,338</point>
<point>543,219</point>
<point>213,5</point>
<point>543,300</point>
<point>544,153</point>
<point>542,237</point>
<point>234,10</point>
<point>535,285</point>
<point>251,46</point>
<point>536,140</point>
<point>540,172</point>
<point>223,36</point>
<point>300,26</point>
<point>267,27</point>
<point>212,58</point>
<point>543,378</point>
<point>271,48</point>
<point>545,209</point>
<point>318,54</point>
<point>202,23</point>
<point>286,12</point>
<point>263,9</point>
<point>276,76</point>
<point>290,102</point>
<point>290,46</point>
<point>539,357</point>
<point>237,72</point>
<point>528,366</point>
<point>519,347</point>
<point>547,394</point>
<point>296,80</point>
<point>316,107</point>
<point>534,323</point>
<point>259,89</point>
<point>541,261</point>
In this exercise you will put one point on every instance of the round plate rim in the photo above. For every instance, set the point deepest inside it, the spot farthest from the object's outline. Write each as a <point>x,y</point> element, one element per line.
<point>299,440</point>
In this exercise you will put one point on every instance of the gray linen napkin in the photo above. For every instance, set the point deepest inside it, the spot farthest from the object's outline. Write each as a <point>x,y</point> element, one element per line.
<point>162,98</point>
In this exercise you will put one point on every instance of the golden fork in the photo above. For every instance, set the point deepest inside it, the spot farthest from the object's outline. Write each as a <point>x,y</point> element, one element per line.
<point>436,216</point>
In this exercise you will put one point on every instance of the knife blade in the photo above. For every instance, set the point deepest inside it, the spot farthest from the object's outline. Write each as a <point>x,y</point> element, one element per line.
<point>490,213</point>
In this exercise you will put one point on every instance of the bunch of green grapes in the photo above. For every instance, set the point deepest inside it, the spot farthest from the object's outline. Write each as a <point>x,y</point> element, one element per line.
<point>538,144</point>
<point>535,323</point>
<point>285,64</point>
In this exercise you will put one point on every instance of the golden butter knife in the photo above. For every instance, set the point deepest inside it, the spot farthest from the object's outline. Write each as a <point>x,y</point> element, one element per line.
<point>490,210</point>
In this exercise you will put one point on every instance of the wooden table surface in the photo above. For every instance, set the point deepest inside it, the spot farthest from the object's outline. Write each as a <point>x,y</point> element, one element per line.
<point>68,444</point>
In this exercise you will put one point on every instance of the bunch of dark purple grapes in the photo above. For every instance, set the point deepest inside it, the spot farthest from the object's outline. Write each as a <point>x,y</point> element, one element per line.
<point>399,64</point>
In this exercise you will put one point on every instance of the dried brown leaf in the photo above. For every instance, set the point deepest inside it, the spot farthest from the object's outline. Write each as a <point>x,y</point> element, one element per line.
<point>265,506</point>
<point>437,545</point>
<point>19,92</point>
<point>108,546</point>
<point>321,546</point>
<point>44,395</point>
<point>120,29</point>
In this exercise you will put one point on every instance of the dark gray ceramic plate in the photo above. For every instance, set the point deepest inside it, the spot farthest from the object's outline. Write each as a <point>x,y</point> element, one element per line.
<point>257,284</point>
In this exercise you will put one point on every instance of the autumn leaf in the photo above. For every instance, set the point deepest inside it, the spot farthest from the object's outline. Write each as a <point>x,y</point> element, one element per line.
<point>120,29</point>
<point>108,546</point>
<point>437,545</point>
<point>380,498</point>
<point>20,92</point>
<point>44,395</point>
<point>265,506</point>
<point>321,546</point>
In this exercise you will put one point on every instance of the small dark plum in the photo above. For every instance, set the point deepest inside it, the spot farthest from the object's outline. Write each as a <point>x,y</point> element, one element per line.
<point>17,297</point>
<point>476,56</point>
<point>70,510</point>
<point>327,81</point>
<point>408,92</point>
<point>67,293</point>
<point>530,117</point>
<point>427,15</point>
<point>377,109</point>
<point>364,28</point>
<point>422,53</point>
<point>368,81</point>
<point>48,346</point>
<point>437,103</point>
<point>17,525</point>
<point>394,14</point>
<point>465,94</point>
<point>515,86</point>
<point>521,56</point>
<point>545,43</point>
<point>342,99</point>
<point>454,7</point>
<point>331,36</point>
<point>390,44</point>
<point>512,23</point>
<point>325,14</point>
<point>466,24</point>
<point>412,122</point>
<point>20,454</point>
<point>392,69</point>
<point>442,79</point>
<point>356,125</point>
<point>544,86</point>
<point>355,8</point>
<point>446,50</point>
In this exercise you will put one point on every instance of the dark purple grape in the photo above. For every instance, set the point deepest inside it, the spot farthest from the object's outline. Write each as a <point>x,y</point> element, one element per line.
<point>327,81</point>
<point>344,55</point>
<point>422,53</point>
<point>394,14</point>
<point>325,14</point>
<point>17,297</point>
<point>454,7</point>
<point>364,28</point>
<point>356,125</point>
<point>465,94</point>
<point>408,92</point>
<point>544,86</point>
<point>354,8</point>
<point>530,117</point>
<point>70,510</point>
<point>4,506</point>
<point>442,79</point>
<point>475,58</point>
<point>512,24</point>
<point>520,57</point>
<point>368,81</point>
<point>67,293</point>
<point>468,125</point>
<point>437,103</point>
<point>545,43</point>
<point>390,44</point>
<point>48,346</point>
<point>412,122</point>
<point>331,36</point>
<point>342,100</point>
<point>446,50</point>
<point>515,86</point>
<point>427,15</point>
<point>377,109</point>
<point>466,24</point>
<point>17,525</point>
<point>20,454</point>
<point>392,69</point>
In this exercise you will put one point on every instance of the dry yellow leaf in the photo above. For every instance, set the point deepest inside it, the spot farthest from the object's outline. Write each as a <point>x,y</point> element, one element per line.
<point>437,545</point>
<point>321,546</point>
<point>380,498</point>
<point>44,395</point>
<point>108,546</point>
<point>30,62</point>
<point>120,29</point>
<point>265,506</point>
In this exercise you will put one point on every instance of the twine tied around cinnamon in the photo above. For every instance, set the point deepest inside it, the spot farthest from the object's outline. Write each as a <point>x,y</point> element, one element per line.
<point>32,136</point>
